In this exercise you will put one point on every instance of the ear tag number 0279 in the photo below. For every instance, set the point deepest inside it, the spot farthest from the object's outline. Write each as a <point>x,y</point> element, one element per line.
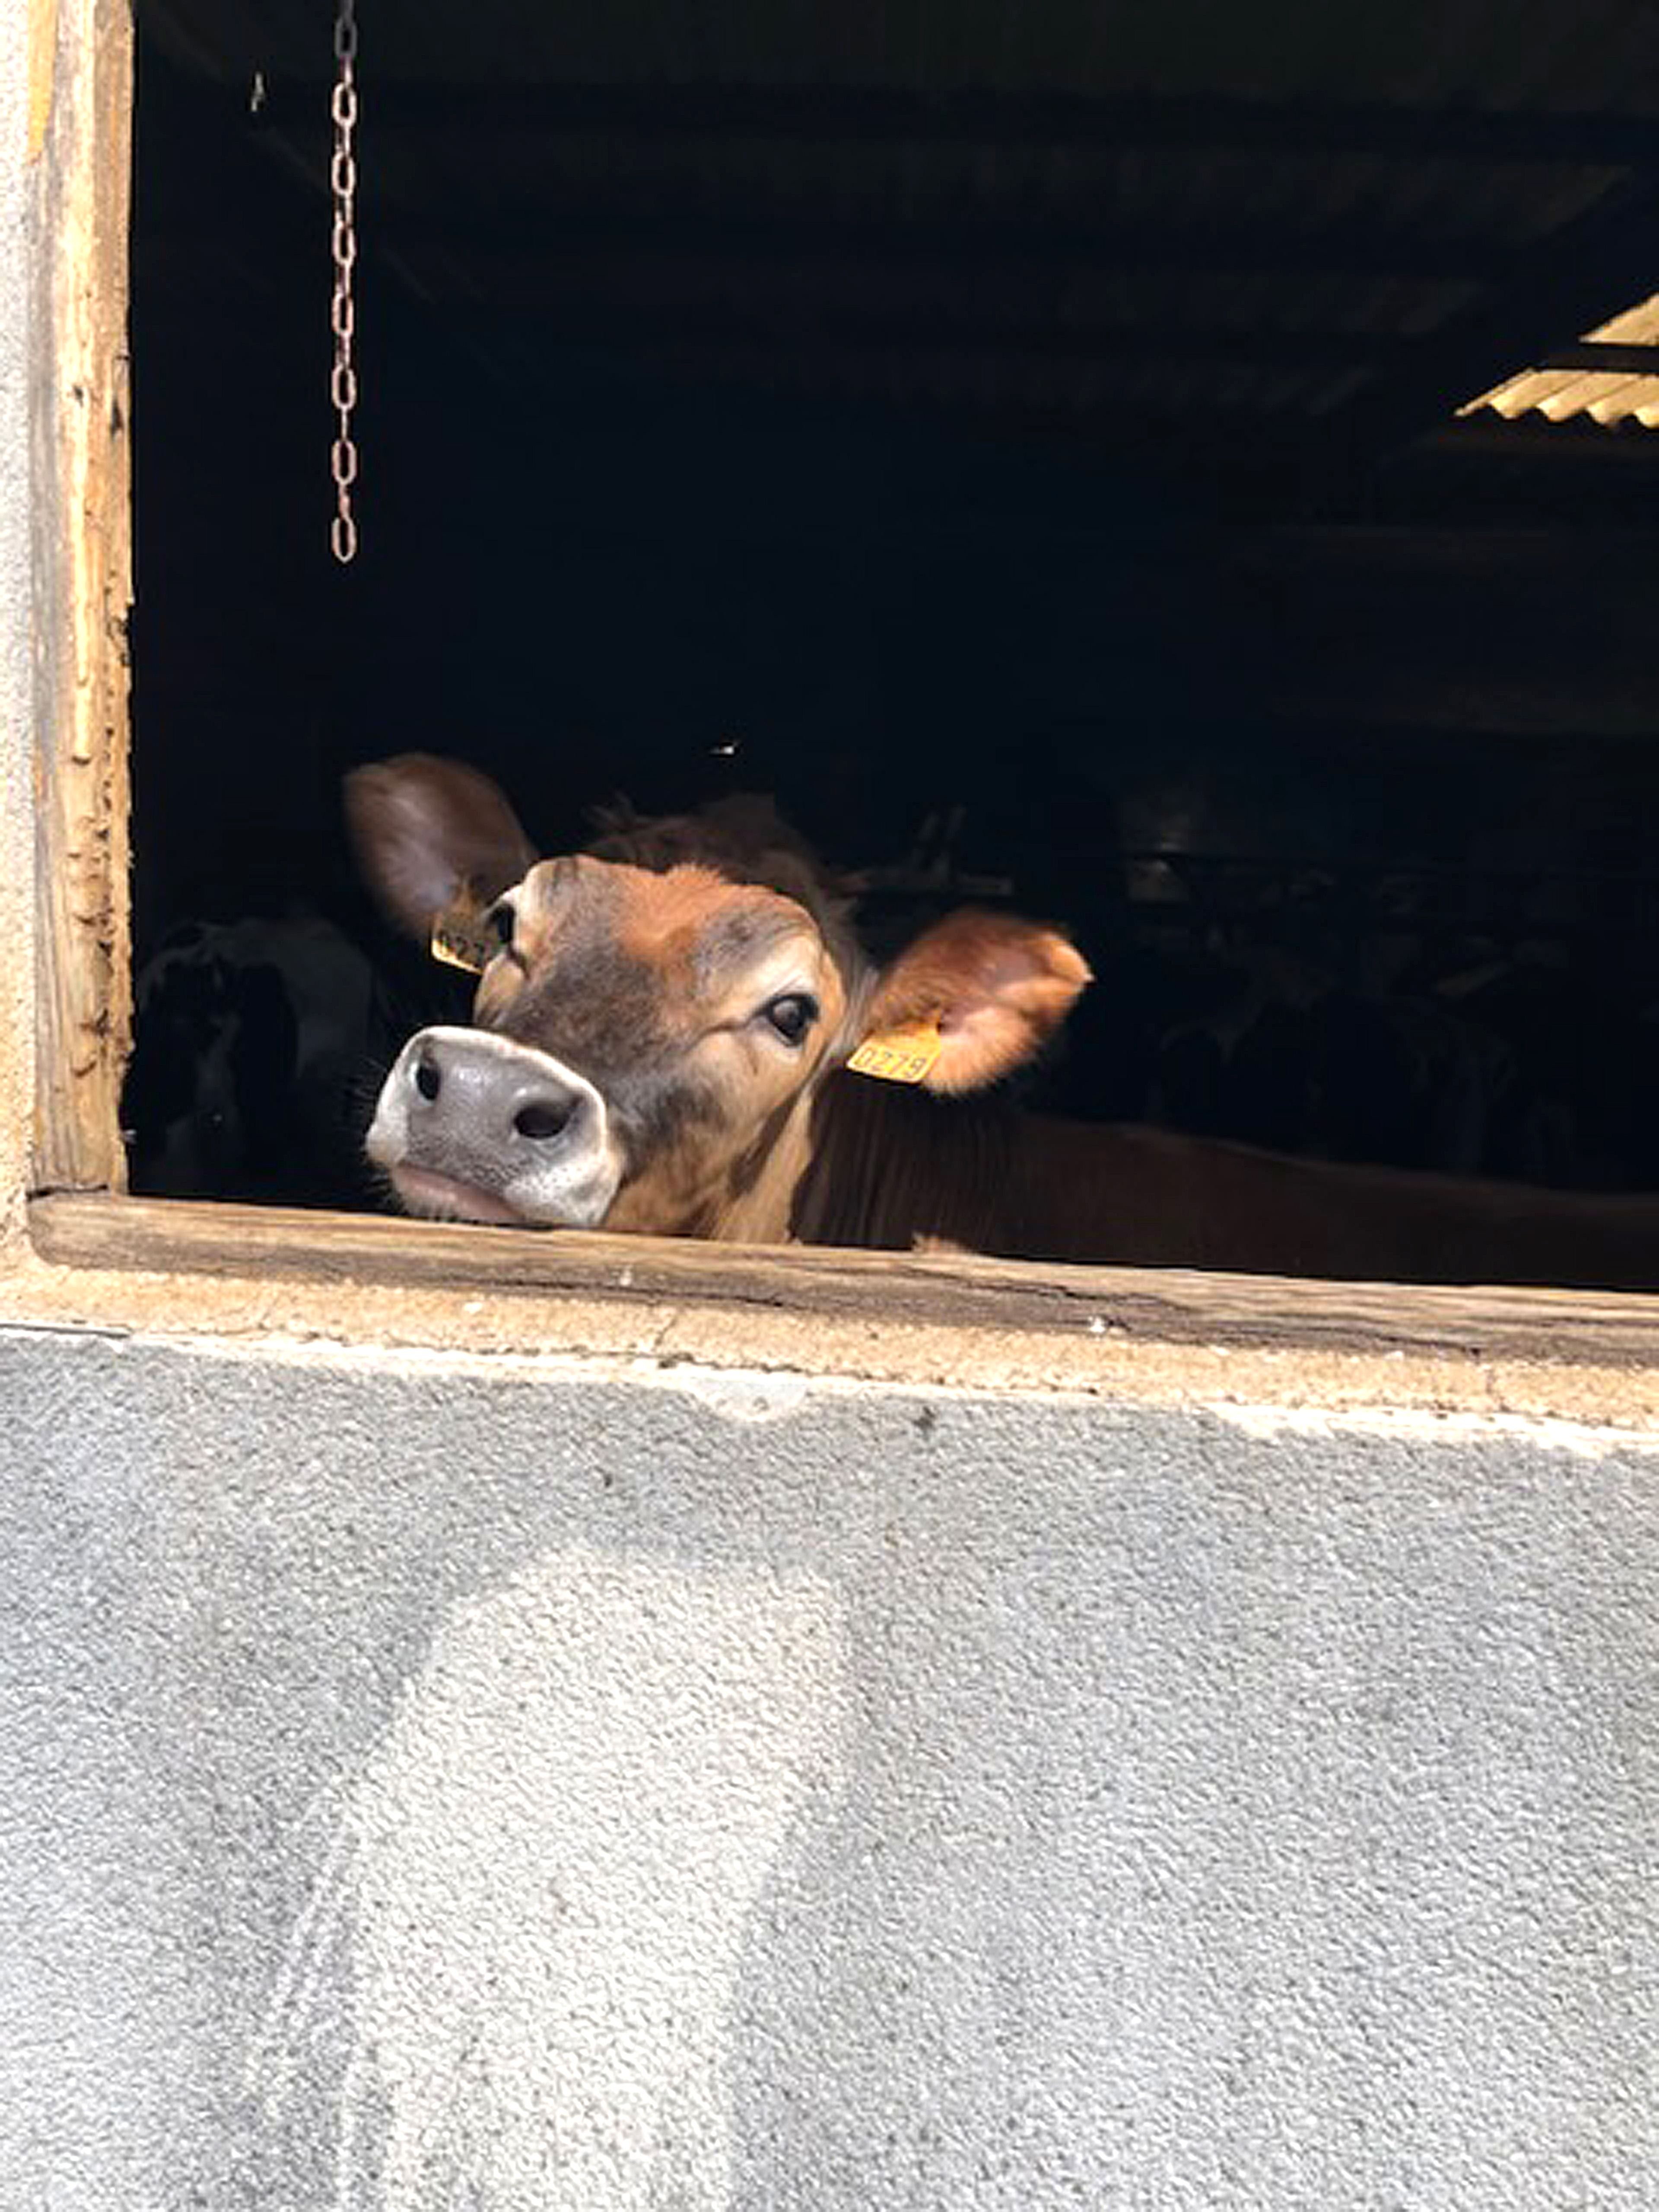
<point>460,940</point>
<point>900,1056</point>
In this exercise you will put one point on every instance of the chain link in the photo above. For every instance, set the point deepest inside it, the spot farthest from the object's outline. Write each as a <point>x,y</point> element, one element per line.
<point>342,313</point>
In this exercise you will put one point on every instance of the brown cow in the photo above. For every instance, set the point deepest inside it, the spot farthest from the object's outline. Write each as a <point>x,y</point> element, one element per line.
<point>661,1044</point>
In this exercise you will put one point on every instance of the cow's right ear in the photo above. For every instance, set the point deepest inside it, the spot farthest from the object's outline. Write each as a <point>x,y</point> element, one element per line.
<point>428,832</point>
<point>970,1000</point>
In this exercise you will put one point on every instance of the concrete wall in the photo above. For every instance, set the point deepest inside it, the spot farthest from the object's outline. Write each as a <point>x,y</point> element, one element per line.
<point>429,1785</point>
<point>439,1779</point>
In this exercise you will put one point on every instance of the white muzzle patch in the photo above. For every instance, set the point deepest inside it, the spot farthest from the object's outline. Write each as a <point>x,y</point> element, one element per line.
<point>470,1126</point>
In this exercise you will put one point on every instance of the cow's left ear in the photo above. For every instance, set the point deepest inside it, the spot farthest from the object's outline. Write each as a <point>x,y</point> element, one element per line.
<point>428,831</point>
<point>993,988</point>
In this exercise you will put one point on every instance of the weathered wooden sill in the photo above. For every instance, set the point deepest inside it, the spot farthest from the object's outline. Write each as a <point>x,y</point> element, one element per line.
<point>1611,1332</point>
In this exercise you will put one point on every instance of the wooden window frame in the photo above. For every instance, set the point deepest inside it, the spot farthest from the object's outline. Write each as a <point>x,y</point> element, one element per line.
<point>80,95</point>
<point>1105,1330</point>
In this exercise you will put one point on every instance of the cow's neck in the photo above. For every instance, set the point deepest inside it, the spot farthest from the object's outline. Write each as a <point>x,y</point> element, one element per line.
<point>890,1167</point>
<point>893,1168</point>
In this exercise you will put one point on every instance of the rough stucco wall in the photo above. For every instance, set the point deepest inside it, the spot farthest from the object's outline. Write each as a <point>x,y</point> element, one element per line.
<point>427,1784</point>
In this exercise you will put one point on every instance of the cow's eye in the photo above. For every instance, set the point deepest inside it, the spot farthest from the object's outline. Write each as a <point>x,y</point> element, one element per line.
<point>498,922</point>
<point>792,1015</point>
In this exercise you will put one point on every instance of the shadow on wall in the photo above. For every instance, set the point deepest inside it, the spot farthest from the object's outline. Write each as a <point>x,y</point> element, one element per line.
<point>534,1905</point>
<point>1142,1834</point>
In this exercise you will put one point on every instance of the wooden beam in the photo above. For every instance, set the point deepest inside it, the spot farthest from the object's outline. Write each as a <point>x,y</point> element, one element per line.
<point>1603,357</point>
<point>83,587</point>
<point>1579,442</point>
<point>562,230</point>
<point>882,114</point>
<point>783,326</point>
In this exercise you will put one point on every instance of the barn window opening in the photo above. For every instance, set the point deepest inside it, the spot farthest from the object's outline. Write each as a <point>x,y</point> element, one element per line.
<point>1035,473</point>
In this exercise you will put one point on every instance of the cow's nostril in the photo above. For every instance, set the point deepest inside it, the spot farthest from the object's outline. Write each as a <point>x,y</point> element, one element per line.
<point>428,1081</point>
<point>543,1119</point>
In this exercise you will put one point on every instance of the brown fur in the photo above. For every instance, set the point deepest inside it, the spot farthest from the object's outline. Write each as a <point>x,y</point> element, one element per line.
<point>648,983</point>
<point>652,980</point>
<point>743,839</point>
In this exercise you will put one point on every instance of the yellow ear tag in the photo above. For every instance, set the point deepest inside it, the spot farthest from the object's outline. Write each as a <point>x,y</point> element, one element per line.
<point>900,1056</point>
<point>460,938</point>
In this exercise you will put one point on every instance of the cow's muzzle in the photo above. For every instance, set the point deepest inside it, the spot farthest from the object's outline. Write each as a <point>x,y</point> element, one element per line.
<point>472,1126</point>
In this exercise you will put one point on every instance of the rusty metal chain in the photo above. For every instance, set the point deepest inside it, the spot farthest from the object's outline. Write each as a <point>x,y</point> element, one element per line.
<point>343,186</point>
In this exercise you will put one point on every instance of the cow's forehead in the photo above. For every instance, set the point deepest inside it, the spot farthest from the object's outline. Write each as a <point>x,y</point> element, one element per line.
<point>688,923</point>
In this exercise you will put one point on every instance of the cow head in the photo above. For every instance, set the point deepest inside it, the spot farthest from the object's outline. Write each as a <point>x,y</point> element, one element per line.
<point>648,1042</point>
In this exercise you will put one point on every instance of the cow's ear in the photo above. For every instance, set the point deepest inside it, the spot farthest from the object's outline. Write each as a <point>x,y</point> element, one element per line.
<point>428,832</point>
<point>992,987</point>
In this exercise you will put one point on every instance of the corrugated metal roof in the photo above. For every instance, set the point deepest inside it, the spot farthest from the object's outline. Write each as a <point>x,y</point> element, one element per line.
<point>1617,394</point>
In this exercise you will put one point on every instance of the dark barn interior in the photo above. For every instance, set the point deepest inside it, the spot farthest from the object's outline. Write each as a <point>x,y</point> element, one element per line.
<point>1026,443</point>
